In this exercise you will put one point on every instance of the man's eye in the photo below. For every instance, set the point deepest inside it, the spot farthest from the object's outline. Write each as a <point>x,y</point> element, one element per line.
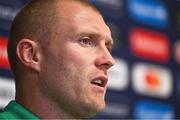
<point>87,42</point>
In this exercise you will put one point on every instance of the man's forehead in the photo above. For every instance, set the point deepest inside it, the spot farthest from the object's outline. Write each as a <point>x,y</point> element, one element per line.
<point>85,20</point>
<point>74,5</point>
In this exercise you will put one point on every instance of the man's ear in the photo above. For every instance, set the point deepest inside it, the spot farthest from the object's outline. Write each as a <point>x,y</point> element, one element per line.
<point>29,54</point>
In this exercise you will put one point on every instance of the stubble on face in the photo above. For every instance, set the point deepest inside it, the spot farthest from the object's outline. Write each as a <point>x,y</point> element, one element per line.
<point>69,86</point>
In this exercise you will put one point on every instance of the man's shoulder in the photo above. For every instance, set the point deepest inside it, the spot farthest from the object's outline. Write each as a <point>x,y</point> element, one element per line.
<point>8,112</point>
<point>16,111</point>
<point>6,115</point>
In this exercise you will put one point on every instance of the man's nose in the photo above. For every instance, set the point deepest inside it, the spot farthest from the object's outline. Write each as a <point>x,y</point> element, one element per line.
<point>105,60</point>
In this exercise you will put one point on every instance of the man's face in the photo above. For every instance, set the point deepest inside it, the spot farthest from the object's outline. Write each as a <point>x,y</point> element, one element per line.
<point>75,63</point>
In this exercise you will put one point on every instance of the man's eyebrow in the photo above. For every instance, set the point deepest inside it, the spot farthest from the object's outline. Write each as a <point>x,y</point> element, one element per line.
<point>94,33</point>
<point>109,41</point>
<point>109,44</point>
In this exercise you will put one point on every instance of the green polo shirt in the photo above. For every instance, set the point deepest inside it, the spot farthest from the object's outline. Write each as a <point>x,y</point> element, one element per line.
<point>16,111</point>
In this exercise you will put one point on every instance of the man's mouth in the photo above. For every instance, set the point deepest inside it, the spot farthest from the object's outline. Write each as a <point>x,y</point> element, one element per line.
<point>100,81</point>
<point>97,82</point>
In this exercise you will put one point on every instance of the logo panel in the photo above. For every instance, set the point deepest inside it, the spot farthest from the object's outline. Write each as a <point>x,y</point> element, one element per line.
<point>153,110</point>
<point>4,62</point>
<point>7,91</point>
<point>151,80</point>
<point>118,75</point>
<point>150,12</point>
<point>149,45</point>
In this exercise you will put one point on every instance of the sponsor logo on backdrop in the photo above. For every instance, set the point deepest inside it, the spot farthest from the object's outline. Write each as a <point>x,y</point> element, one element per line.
<point>7,91</point>
<point>8,10</point>
<point>149,45</point>
<point>7,13</point>
<point>118,75</point>
<point>150,12</point>
<point>4,63</point>
<point>152,110</point>
<point>152,80</point>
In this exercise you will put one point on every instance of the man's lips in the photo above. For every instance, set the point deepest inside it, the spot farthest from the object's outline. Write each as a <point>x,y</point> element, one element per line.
<point>100,81</point>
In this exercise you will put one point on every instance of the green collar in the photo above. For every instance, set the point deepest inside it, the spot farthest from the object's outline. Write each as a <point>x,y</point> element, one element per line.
<point>16,111</point>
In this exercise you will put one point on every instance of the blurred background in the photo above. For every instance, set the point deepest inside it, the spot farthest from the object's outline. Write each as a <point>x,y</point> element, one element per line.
<point>145,81</point>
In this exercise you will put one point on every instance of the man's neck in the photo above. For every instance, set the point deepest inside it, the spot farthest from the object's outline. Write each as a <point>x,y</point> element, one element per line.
<point>41,106</point>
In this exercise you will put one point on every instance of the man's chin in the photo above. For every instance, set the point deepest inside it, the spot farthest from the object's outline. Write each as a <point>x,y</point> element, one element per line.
<point>101,107</point>
<point>96,108</point>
